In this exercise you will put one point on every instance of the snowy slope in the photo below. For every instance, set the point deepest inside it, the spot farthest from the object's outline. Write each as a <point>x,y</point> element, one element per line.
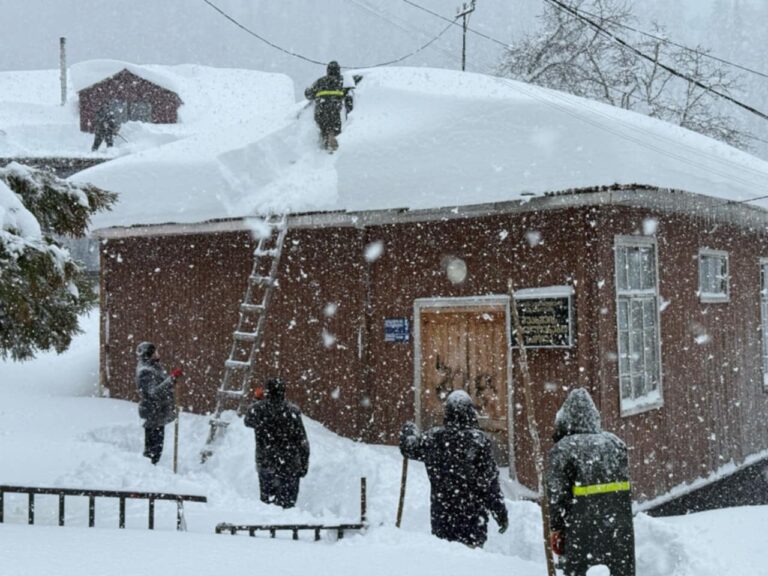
<point>54,431</point>
<point>422,138</point>
<point>34,123</point>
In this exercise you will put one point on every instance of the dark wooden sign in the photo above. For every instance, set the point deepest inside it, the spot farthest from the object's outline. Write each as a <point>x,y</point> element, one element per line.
<point>546,322</point>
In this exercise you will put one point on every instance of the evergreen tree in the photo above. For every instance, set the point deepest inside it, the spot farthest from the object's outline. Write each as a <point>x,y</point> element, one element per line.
<point>42,289</point>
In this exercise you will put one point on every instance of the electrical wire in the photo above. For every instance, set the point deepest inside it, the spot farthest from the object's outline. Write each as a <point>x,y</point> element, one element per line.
<point>405,27</point>
<point>640,53</point>
<point>455,23</point>
<point>568,107</point>
<point>564,105</point>
<point>678,45</point>
<point>313,61</point>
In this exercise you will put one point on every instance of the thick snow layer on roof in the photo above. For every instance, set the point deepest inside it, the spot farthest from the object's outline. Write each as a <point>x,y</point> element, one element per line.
<point>422,138</point>
<point>34,124</point>
<point>85,74</point>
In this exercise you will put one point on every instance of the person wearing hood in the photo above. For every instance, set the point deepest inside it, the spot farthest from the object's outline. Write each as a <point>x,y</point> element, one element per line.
<point>157,404</point>
<point>462,474</point>
<point>282,448</point>
<point>329,93</point>
<point>106,127</point>
<point>590,504</point>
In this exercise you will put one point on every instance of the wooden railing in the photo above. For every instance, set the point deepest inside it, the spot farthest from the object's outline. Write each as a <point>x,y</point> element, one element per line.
<point>122,496</point>
<point>273,529</point>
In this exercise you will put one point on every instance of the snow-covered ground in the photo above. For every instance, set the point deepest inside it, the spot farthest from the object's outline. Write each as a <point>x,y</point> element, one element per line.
<point>56,431</point>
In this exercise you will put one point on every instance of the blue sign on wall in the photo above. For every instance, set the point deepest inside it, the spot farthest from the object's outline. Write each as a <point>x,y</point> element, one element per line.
<point>397,330</point>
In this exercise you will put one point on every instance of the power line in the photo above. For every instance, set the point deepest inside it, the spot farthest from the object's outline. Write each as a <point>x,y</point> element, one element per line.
<point>313,61</point>
<point>683,46</point>
<point>622,42</point>
<point>405,26</point>
<point>566,106</point>
<point>454,23</point>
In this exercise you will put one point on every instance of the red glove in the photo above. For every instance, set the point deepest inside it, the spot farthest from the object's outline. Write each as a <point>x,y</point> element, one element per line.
<point>557,542</point>
<point>176,373</point>
<point>258,392</point>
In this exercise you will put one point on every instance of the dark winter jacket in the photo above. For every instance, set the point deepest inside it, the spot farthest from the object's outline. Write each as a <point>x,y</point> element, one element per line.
<point>156,391</point>
<point>329,94</point>
<point>106,122</point>
<point>589,490</point>
<point>281,441</point>
<point>462,473</point>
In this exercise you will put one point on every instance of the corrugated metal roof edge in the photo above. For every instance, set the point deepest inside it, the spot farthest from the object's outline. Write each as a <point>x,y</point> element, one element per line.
<point>628,195</point>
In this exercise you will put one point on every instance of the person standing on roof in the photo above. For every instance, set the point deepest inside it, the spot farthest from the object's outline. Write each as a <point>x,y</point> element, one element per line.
<point>329,94</point>
<point>106,127</point>
<point>590,505</point>
<point>463,476</point>
<point>282,448</point>
<point>157,404</point>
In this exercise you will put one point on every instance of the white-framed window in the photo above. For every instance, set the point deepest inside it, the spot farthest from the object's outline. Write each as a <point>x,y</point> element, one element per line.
<point>713,276</point>
<point>639,335</point>
<point>764,316</point>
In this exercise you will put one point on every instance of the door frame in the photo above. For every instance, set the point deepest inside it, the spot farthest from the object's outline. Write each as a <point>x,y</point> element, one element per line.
<point>499,300</point>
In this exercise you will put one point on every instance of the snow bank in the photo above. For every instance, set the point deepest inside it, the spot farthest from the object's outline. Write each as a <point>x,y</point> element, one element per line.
<point>54,432</point>
<point>425,138</point>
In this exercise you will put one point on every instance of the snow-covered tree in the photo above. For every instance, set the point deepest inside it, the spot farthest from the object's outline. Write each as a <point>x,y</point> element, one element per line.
<point>568,54</point>
<point>42,289</point>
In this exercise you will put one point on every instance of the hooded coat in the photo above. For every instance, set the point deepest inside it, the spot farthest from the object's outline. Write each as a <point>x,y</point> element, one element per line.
<point>589,491</point>
<point>157,404</point>
<point>329,93</point>
<point>462,474</point>
<point>281,441</point>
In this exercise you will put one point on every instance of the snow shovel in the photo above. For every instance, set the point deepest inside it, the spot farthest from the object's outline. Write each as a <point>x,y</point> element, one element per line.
<point>401,501</point>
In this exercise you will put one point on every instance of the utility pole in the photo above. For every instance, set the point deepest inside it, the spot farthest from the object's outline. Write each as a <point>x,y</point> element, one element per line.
<point>464,13</point>
<point>63,69</point>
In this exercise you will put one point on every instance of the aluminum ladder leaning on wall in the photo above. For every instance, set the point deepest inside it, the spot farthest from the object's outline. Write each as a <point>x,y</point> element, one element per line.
<point>247,338</point>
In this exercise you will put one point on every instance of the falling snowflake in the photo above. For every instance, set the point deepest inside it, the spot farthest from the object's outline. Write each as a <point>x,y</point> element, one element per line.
<point>533,237</point>
<point>374,250</point>
<point>330,309</point>
<point>328,339</point>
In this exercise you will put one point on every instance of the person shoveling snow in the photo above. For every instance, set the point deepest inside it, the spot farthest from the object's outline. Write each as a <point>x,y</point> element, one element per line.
<point>328,93</point>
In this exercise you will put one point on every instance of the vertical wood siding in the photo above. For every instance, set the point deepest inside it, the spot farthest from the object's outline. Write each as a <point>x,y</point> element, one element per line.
<point>183,292</point>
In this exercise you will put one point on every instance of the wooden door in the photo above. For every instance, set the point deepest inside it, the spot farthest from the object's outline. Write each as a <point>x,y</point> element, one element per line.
<point>466,348</point>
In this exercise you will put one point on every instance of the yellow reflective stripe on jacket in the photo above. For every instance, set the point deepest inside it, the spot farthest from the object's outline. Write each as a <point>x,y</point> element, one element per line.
<point>322,93</point>
<point>600,488</point>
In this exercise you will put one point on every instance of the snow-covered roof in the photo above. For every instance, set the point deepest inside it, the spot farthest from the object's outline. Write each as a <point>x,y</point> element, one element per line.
<point>34,124</point>
<point>86,74</point>
<point>421,138</point>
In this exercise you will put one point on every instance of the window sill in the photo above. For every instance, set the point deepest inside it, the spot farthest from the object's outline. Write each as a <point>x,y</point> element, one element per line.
<point>636,409</point>
<point>714,298</point>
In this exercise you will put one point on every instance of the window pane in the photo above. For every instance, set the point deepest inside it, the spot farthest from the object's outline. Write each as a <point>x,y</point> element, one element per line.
<point>634,263</point>
<point>623,353</point>
<point>649,312</point>
<point>621,267</point>
<point>722,283</point>
<point>637,386</point>
<point>626,387</point>
<point>648,269</point>
<point>623,315</point>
